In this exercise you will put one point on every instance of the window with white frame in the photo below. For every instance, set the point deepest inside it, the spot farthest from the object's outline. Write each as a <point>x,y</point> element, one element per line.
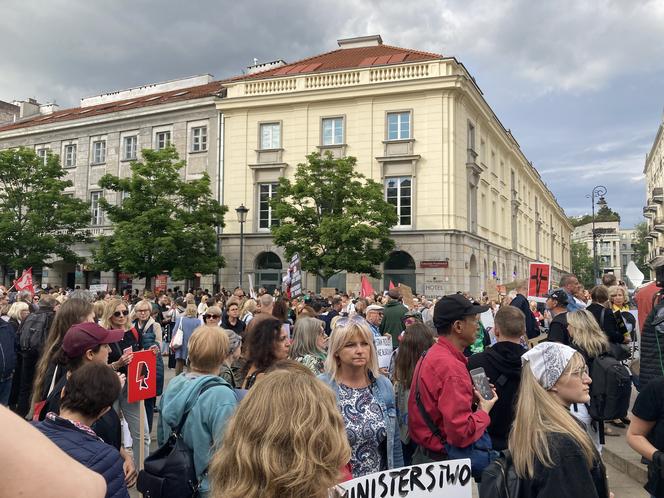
<point>199,139</point>
<point>266,217</point>
<point>333,131</point>
<point>398,125</point>
<point>129,147</point>
<point>70,155</point>
<point>98,151</point>
<point>270,134</point>
<point>398,192</point>
<point>95,209</point>
<point>162,139</point>
<point>42,153</point>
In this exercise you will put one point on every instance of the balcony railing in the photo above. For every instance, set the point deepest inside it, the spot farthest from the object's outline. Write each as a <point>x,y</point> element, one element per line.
<point>658,195</point>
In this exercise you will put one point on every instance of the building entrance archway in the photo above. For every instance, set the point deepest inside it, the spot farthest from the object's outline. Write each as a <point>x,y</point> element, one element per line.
<point>400,269</point>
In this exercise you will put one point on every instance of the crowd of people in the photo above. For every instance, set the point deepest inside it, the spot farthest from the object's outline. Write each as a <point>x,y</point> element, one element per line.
<point>279,397</point>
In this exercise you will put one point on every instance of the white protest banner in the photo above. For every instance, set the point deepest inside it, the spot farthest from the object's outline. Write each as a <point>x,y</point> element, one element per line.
<point>487,319</point>
<point>99,287</point>
<point>449,479</point>
<point>383,351</point>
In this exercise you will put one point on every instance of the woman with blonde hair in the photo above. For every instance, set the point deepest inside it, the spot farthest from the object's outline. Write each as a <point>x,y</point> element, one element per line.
<point>188,323</point>
<point>286,440</point>
<point>309,344</point>
<point>18,312</point>
<point>247,310</point>
<point>551,451</point>
<point>365,398</point>
<point>208,399</point>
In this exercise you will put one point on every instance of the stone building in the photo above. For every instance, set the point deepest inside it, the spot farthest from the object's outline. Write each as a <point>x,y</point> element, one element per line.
<point>608,245</point>
<point>470,204</point>
<point>653,211</point>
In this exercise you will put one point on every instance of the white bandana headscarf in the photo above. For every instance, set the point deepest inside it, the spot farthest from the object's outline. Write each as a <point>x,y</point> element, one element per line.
<point>547,361</point>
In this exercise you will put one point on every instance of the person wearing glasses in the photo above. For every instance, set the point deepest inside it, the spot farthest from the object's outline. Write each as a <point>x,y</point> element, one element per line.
<point>310,344</point>
<point>188,323</point>
<point>116,316</point>
<point>149,330</point>
<point>211,317</point>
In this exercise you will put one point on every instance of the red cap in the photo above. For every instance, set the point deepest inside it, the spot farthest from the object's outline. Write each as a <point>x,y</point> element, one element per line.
<point>88,335</point>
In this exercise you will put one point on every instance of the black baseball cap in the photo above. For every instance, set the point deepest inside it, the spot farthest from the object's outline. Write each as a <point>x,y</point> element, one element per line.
<point>454,307</point>
<point>559,295</point>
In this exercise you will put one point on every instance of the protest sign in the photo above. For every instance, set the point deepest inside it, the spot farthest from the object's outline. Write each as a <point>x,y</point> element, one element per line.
<point>407,295</point>
<point>142,376</point>
<point>328,291</point>
<point>383,350</point>
<point>99,287</point>
<point>295,271</point>
<point>491,287</point>
<point>451,479</point>
<point>539,281</point>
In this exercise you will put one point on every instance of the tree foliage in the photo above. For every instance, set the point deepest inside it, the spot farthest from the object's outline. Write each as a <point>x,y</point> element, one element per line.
<point>335,218</point>
<point>582,264</point>
<point>640,247</point>
<point>37,220</point>
<point>163,223</point>
<point>605,213</point>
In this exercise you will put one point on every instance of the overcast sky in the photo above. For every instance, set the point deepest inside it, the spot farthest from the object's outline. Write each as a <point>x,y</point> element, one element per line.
<point>580,83</point>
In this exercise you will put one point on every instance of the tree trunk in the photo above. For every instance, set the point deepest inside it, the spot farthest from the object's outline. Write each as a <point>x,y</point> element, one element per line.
<point>148,282</point>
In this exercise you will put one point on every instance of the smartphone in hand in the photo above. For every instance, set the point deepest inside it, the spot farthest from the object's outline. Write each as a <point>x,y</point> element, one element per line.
<point>482,383</point>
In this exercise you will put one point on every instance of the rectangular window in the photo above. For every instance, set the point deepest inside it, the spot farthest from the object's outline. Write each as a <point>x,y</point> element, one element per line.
<point>398,192</point>
<point>70,156</point>
<point>99,152</point>
<point>398,125</point>
<point>42,153</point>
<point>265,217</point>
<point>471,136</point>
<point>162,140</point>
<point>270,136</point>
<point>95,209</point>
<point>199,139</point>
<point>129,146</point>
<point>333,131</point>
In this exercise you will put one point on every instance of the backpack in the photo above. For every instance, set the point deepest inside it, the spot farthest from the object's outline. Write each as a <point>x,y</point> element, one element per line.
<point>169,472</point>
<point>499,479</point>
<point>610,390</point>
<point>34,331</point>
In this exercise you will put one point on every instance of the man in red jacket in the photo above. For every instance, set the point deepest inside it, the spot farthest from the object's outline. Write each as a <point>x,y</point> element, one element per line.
<point>444,420</point>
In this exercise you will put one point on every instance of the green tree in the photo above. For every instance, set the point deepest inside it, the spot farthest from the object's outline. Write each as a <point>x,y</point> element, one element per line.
<point>582,264</point>
<point>335,218</point>
<point>604,213</point>
<point>640,247</point>
<point>37,220</point>
<point>163,223</point>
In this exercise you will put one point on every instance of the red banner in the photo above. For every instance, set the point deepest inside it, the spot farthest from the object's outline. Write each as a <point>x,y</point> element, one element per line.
<point>539,280</point>
<point>142,376</point>
<point>25,281</point>
<point>161,283</point>
<point>366,289</point>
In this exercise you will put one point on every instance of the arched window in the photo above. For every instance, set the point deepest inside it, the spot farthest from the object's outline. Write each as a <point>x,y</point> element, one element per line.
<point>399,268</point>
<point>268,271</point>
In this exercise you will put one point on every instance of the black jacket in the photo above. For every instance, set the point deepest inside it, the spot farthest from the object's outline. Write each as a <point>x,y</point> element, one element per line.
<point>608,323</point>
<point>502,364</point>
<point>652,349</point>
<point>532,328</point>
<point>569,477</point>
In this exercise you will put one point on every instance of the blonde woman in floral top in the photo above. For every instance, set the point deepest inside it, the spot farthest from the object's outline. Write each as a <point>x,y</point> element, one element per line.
<point>309,345</point>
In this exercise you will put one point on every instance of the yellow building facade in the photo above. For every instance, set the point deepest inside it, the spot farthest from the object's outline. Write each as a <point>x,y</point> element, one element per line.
<point>471,206</point>
<point>653,211</point>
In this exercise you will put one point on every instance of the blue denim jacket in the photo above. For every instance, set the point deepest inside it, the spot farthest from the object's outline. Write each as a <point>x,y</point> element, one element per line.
<point>382,389</point>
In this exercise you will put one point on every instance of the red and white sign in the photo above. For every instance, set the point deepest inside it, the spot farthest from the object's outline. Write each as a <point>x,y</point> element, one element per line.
<point>25,281</point>
<point>161,282</point>
<point>539,281</point>
<point>142,376</point>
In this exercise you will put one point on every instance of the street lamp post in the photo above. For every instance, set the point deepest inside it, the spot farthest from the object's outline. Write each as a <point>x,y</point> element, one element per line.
<point>598,191</point>
<point>241,218</point>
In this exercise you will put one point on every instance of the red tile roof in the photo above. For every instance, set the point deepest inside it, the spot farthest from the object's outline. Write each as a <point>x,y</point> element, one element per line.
<point>194,92</point>
<point>343,58</point>
<point>346,58</point>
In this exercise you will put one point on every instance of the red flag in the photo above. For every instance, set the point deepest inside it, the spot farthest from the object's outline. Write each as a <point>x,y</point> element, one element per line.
<point>25,282</point>
<point>366,289</point>
<point>392,286</point>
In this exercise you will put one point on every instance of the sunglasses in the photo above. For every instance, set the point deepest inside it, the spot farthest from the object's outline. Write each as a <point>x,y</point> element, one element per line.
<point>342,322</point>
<point>118,314</point>
<point>209,317</point>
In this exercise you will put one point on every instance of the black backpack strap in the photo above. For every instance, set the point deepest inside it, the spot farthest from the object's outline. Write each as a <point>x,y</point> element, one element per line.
<point>601,318</point>
<point>208,385</point>
<point>420,406</point>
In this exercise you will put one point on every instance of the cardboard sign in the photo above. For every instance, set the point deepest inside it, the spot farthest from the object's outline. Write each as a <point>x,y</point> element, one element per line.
<point>142,376</point>
<point>383,350</point>
<point>451,479</point>
<point>491,287</point>
<point>99,287</point>
<point>328,291</point>
<point>539,281</point>
<point>407,295</point>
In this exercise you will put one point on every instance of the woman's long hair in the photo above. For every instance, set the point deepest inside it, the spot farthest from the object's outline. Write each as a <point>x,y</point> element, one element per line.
<point>586,333</point>
<point>71,312</point>
<point>305,337</point>
<point>416,340</point>
<point>286,440</point>
<point>538,415</point>
<point>260,342</point>
<point>110,308</point>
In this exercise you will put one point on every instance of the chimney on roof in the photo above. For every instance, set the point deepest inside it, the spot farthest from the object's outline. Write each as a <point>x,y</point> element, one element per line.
<point>360,41</point>
<point>48,108</point>
<point>264,66</point>
<point>27,108</point>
